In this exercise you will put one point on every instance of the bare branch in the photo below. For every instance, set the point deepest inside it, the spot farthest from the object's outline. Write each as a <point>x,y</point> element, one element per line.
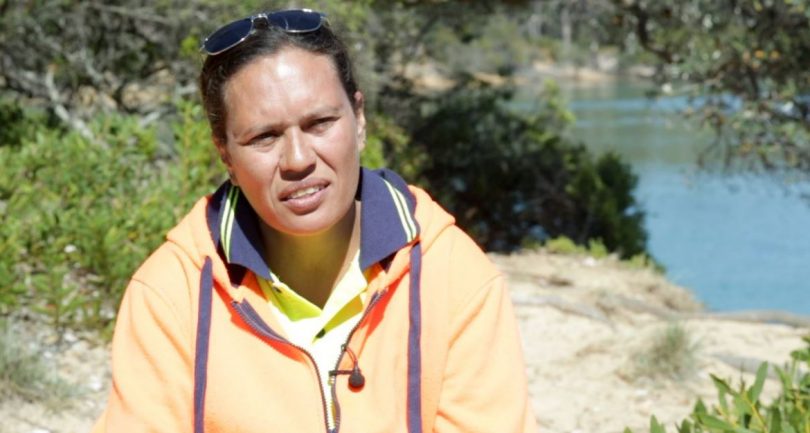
<point>62,112</point>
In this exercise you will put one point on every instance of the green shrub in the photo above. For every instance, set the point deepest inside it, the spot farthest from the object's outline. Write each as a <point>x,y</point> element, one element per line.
<point>510,178</point>
<point>381,130</point>
<point>641,261</point>
<point>742,409</point>
<point>18,122</point>
<point>597,248</point>
<point>563,245</point>
<point>78,217</point>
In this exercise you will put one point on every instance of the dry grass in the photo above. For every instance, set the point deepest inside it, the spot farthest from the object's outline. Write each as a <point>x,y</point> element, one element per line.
<point>669,353</point>
<point>24,374</point>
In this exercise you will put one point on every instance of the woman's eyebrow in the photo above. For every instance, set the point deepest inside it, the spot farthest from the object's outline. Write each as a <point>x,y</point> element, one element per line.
<point>322,112</point>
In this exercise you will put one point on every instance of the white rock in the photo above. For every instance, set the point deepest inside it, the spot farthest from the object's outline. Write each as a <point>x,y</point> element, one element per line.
<point>70,337</point>
<point>95,384</point>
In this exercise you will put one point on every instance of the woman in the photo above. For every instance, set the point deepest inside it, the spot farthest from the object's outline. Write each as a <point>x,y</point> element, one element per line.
<point>308,294</point>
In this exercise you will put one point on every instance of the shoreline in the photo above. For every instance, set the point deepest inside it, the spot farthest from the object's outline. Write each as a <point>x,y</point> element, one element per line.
<point>427,77</point>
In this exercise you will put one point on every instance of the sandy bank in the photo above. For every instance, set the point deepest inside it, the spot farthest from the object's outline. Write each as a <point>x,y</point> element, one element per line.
<point>582,320</point>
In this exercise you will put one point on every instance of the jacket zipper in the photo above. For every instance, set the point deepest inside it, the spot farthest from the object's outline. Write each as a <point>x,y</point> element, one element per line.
<point>261,328</point>
<point>333,383</point>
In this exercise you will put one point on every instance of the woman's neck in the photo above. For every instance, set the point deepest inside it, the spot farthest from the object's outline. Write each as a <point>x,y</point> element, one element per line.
<point>312,265</point>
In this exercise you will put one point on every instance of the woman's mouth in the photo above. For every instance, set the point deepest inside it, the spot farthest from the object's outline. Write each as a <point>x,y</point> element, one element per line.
<point>305,197</point>
<point>304,192</point>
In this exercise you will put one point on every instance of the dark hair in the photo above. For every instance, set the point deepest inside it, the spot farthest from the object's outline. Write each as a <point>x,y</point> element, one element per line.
<point>266,41</point>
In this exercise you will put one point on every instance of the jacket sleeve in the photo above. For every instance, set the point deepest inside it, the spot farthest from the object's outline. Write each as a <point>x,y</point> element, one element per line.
<point>485,387</point>
<point>151,367</point>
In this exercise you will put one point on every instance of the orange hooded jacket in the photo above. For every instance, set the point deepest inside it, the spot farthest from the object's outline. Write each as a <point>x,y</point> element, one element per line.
<point>197,349</point>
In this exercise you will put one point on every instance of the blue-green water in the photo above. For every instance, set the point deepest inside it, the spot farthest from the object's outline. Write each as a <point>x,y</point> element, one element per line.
<point>738,241</point>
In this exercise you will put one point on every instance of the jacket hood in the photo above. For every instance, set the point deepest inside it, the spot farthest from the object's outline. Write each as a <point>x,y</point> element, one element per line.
<point>394,216</point>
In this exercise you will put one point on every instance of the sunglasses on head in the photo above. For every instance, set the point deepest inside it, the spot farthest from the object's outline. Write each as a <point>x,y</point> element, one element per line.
<point>232,34</point>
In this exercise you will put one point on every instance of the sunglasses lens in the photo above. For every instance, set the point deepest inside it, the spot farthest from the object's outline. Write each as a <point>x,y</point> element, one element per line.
<point>296,21</point>
<point>227,36</point>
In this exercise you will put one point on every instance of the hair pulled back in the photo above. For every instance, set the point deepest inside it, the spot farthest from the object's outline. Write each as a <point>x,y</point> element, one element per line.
<point>266,41</point>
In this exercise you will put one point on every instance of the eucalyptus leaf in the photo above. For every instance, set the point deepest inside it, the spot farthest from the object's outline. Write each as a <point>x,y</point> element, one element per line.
<point>759,382</point>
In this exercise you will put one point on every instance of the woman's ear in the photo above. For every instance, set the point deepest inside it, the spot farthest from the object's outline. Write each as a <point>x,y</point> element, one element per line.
<point>359,113</point>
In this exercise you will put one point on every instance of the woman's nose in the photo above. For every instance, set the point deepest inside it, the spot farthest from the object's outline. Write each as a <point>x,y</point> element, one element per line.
<point>298,158</point>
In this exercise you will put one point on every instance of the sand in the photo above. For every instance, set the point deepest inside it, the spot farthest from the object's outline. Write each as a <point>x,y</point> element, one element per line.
<point>583,321</point>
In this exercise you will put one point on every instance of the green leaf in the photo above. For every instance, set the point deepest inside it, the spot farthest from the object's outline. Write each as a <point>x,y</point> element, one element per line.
<point>700,407</point>
<point>742,408</point>
<point>655,426</point>
<point>685,427</point>
<point>722,390</point>
<point>721,385</point>
<point>784,378</point>
<point>714,422</point>
<point>775,420</point>
<point>755,391</point>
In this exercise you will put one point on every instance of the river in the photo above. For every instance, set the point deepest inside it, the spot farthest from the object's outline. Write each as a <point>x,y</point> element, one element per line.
<point>739,241</point>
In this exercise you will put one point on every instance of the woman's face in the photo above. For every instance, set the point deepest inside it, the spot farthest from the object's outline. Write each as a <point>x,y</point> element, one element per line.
<point>293,140</point>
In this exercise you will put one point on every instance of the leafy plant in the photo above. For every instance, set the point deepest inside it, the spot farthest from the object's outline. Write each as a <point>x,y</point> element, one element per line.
<point>510,177</point>
<point>77,217</point>
<point>742,410</point>
<point>564,245</point>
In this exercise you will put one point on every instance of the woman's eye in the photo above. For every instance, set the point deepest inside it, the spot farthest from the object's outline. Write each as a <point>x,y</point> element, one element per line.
<point>322,124</point>
<point>263,139</point>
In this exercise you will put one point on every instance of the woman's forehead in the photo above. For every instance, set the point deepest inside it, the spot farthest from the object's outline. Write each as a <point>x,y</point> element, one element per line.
<point>287,70</point>
<point>287,85</point>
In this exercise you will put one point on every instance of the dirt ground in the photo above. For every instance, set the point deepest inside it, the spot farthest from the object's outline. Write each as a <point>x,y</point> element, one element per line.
<point>583,322</point>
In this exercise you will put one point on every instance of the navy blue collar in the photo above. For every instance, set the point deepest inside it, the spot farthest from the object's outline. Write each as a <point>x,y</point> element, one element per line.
<point>387,223</point>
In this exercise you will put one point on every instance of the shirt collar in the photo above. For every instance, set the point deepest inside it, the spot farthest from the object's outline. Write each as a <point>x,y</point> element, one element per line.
<point>386,222</point>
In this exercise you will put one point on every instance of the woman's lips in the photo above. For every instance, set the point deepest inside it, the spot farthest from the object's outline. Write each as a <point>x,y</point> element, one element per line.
<point>304,197</point>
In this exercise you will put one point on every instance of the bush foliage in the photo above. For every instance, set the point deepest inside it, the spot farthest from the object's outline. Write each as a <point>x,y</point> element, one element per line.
<point>512,178</point>
<point>78,217</point>
<point>742,410</point>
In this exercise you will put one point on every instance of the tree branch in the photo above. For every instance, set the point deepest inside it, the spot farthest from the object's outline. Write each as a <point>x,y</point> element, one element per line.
<point>62,112</point>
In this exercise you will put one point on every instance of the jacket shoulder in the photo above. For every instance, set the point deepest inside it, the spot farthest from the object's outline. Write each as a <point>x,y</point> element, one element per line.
<point>173,269</point>
<point>451,258</point>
